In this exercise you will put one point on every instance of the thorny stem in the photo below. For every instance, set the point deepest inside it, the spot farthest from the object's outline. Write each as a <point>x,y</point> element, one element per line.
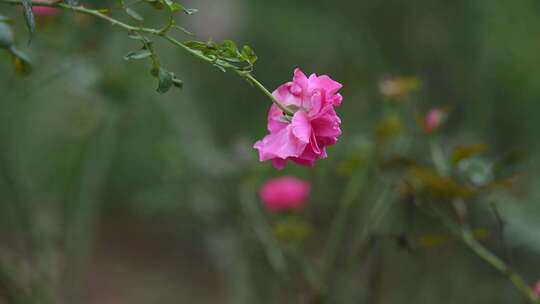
<point>156,32</point>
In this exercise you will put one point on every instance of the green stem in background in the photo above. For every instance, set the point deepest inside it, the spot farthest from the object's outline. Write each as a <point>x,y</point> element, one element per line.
<point>497,263</point>
<point>481,251</point>
<point>438,156</point>
<point>470,241</point>
<point>261,228</point>
<point>337,233</point>
<point>159,33</point>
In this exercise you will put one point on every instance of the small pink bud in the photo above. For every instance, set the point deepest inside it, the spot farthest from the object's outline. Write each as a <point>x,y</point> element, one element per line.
<point>45,11</point>
<point>434,119</point>
<point>284,193</point>
<point>536,289</point>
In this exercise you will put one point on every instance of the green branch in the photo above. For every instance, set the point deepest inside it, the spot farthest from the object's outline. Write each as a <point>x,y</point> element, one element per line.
<point>162,33</point>
<point>481,251</point>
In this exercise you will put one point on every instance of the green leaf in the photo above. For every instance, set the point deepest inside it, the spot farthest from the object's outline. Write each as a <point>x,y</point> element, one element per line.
<point>133,14</point>
<point>510,163</point>
<point>165,80</point>
<point>463,152</point>
<point>248,54</point>
<point>6,36</point>
<point>136,36</point>
<point>173,6</point>
<point>140,54</point>
<point>196,45</point>
<point>190,11</point>
<point>176,26</point>
<point>21,62</point>
<point>220,68</point>
<point>157,4</point>
<point>178,82</point>
<point>176,7</point>
<point>29,17</point>
<point>432,183</point>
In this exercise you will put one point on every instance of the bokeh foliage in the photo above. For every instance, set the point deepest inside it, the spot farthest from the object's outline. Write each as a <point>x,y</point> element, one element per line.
<point>130,190</point>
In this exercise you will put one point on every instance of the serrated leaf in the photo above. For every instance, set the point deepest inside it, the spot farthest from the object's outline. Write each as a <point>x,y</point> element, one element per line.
<point>133,14</point>
<point>165,80</point>
<point>140,54</point>
<point>29,17</point>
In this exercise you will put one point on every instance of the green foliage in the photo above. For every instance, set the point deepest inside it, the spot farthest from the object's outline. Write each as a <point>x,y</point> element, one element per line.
<point>464,152</point>
<point>164,183</point>
<point>134,14</point>
<point>140,54</point>
<point>165,80</point>
<point>175,6</point>
<point>225,54</point>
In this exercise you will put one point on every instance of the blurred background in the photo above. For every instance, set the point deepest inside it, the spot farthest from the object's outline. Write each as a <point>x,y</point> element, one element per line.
<point>113,193</point>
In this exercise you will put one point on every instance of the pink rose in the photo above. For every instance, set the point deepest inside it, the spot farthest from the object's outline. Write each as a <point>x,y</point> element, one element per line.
<point>303,137</point>
<point>284,193</point>
<point>434,119</point>
<point>45,11</point>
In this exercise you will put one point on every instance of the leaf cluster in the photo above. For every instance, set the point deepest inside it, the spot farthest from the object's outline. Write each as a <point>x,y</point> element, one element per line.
<point>226,55</point>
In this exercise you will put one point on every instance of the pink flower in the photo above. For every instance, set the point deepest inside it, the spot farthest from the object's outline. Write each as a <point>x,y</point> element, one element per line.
<point>284,193</point>
<point>303,137</point>
<point>536,289</point>
<point>434,119</point>
<point>45,11</point>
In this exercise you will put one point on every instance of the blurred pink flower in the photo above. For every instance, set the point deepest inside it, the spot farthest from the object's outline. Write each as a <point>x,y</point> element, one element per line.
<point>314,125</point>
<point>536,289</point>
<point>45,11</point>
<point>434,119</point>
<point>284,193</point>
